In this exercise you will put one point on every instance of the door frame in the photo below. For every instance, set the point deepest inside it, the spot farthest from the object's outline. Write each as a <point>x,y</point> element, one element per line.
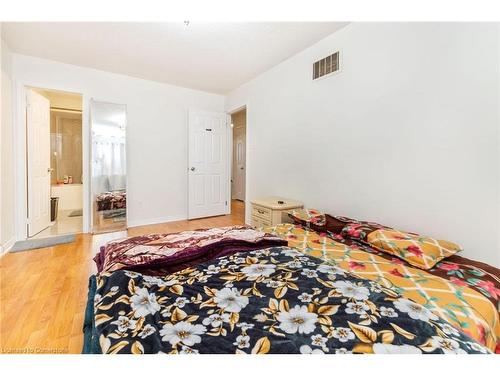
<point>229,154</point>
<point>234,170</point>
<point>20,153</point>
<point>230,111</point>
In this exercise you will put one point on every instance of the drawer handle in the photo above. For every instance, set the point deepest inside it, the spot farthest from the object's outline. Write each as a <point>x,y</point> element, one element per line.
<point>261,212</point>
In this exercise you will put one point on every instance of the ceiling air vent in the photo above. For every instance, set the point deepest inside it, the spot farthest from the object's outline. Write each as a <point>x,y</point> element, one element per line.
<point>326,66</point>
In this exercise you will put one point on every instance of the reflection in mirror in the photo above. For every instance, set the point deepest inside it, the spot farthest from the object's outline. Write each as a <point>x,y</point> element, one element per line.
<point>109,197</point>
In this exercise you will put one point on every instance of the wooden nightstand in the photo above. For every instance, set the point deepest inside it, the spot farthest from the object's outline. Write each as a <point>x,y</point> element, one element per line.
<point>269,210</point>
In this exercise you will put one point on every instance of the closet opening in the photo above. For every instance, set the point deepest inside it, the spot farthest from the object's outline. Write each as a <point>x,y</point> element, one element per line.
<point>238,170</point>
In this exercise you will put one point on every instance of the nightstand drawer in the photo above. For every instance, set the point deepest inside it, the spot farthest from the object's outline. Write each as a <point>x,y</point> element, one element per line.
<point>258,222</point>
<point>261,212</point>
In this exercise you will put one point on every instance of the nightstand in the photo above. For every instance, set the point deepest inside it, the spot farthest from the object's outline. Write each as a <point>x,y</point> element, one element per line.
<point>269,211</point>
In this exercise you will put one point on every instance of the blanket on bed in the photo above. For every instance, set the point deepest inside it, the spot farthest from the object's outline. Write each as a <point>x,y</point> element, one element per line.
<point>111,200</point>
<point>274,300</point>
<point>161,254</point>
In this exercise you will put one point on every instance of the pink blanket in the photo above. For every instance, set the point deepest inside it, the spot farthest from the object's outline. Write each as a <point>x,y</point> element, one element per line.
<point>166,253</point>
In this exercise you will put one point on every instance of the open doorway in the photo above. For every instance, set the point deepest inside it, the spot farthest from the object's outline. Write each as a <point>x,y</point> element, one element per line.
<point>54,163</point>
<point>238,172</point>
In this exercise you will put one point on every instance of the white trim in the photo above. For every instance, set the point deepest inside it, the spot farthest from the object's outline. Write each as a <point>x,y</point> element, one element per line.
<point>229,162</point>
<point>7,246</point>
<point>20,183</point>
<point>158,220</point>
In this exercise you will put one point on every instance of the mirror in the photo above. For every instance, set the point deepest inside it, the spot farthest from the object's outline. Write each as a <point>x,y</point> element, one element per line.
<point>109,176</point>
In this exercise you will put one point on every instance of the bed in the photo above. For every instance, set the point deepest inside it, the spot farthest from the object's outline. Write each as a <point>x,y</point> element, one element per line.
<point>284,289</point>
<point>111,200</point>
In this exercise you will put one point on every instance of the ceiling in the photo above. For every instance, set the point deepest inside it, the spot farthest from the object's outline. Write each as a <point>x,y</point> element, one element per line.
<point>214,57</point>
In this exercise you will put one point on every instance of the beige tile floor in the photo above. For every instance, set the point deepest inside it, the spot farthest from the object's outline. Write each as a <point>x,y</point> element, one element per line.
<point>63,225</point>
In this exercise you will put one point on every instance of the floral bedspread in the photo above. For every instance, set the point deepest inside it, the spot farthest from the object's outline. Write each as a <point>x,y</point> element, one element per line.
<point>456,302</point>
<point>274,300</point>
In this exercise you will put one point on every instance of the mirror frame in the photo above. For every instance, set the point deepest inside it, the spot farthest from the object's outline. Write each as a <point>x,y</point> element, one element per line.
<point>93,211</point>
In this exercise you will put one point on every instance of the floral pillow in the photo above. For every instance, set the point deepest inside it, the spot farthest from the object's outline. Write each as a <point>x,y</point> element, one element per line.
<point>419,251</point>
<point>359,230</point>
<point>308,217</point>
<point>335,224</point>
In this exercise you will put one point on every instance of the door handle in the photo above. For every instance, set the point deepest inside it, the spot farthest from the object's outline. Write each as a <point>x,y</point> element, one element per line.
<point>192,169</point>
<point>50,170</point>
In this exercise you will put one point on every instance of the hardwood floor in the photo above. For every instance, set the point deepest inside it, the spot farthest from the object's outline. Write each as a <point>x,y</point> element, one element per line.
<point>43,292</point>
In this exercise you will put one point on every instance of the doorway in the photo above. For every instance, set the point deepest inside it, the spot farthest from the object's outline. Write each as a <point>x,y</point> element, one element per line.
<point>54,154</point>
<point>238,172</point>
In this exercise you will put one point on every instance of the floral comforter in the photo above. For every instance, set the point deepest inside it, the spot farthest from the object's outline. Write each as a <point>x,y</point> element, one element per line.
<point>464,296</point>
<point>274,300</point>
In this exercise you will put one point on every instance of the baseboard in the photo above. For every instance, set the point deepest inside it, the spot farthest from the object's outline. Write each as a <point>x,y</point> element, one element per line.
<point>158,220</point>
<point>4,249</point>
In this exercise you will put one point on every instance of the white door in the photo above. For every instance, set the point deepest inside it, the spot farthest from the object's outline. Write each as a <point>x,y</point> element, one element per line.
<point>208,164</point>
<point>38,150</point>
<point>239,152</point>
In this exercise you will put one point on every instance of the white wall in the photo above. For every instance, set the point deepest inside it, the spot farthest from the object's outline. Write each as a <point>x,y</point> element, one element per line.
<point>156,130</point>
<point>406,134</point>
<point>6,152</point>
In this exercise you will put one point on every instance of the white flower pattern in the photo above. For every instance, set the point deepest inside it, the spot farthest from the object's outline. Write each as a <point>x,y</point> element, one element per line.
<point>343,334</point>
<point>448,346</point>
<point>309,273</point>
<point>256,270</point>
<point>182,332</point>
<point>242,341</point>
<point>388,311</point>
<point>230,300</point>
<point>124,324</point>
<point>147,331</point>
<point>255,301</point>
<point>414,310</point>
<point>298,319</point>
<point>305,297</point>
<point>144,303</point>
<point>356,308</point>
<point>216,320</point>
<point>351,290</point>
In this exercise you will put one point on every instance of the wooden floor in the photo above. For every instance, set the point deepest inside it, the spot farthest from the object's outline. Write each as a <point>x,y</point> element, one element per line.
<point>43,292</point>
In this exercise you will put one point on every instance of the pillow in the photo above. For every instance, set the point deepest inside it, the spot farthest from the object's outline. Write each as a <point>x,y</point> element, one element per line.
<point>419,251</point>
<point>335,224</point>
<point>350,228</point>
<point>308,217</point>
